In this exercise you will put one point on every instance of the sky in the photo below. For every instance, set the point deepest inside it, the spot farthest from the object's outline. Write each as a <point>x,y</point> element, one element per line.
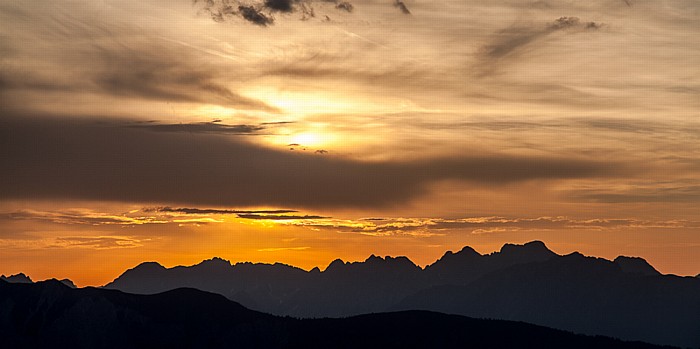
<point>301,131</point>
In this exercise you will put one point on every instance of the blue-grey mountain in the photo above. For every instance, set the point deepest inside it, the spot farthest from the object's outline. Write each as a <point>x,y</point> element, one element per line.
<point>625,298</point>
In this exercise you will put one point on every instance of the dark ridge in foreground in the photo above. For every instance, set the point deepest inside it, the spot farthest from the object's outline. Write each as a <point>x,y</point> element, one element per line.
<point>49,314</point>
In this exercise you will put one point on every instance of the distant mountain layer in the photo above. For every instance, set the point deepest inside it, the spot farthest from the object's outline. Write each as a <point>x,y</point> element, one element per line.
<point>24,279</point>
<point>17,278</point>
<point>51,315</point>
<point>625,298</point>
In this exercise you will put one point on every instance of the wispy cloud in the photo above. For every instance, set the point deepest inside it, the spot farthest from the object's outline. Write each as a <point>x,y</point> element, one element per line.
<point>95,242</point>
<point>82,217</point>
<point>157,215</point>
<point>508,43</point>
<point>481,225</point>
<point>278,249</point>
<point>98,242</point>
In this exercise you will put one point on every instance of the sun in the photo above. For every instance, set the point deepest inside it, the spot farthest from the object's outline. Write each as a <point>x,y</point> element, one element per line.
<point>308,139</point>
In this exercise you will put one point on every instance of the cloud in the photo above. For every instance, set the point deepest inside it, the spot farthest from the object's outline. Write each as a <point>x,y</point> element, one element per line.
<point>253,15</point>
<point>402,6</point>
<point>511,39</point>
<point>661,193</point>
<point>260,12</point>
<point>163,74</point>
<point>54,158</point>
<point>157,215</point>
<point>278,249</point>
<point>274,217</point>
<point>81,217</point>
<point>244,214</point>
<point>345,6</point>
<point>116,63</point>
<point>201,127</point>
<point>280,5</point>
<point>216,211</point>
<point>95,242</point>
<point>482,225</point>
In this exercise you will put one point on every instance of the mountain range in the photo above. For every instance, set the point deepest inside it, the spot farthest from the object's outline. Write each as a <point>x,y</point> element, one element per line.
<point>21,278</point>
<point>50,314</point>
<point>625,298</point>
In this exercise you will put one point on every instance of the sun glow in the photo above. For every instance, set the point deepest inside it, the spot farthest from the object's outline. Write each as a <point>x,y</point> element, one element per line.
<point>300,103</point>
<point>308,139</point>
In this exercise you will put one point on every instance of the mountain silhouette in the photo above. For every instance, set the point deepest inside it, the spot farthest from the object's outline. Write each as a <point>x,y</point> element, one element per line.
<point>625,298</point>
<point>17,279</point>
<point>49,314</point>
<point>467,265</point>
<point>581,294</point>
<point>635,265</point>
<point>24,279</point>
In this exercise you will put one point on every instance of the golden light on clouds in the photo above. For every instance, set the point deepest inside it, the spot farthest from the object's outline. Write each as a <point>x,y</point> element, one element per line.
<point>301,103</point>
<point>573,123</point>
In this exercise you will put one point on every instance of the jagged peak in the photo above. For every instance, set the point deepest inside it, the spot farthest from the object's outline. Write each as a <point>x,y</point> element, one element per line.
<point>532,251</point>
<point>69,283</point>
<point>635,265</point>
<point>532,246</point>
<point>215,261</point>
<point>468,250</point>
<point>315,270</point>
<point>53,283</point>
<point>65,282</point>
<point>19,278</point>
<point>338,263</point>
<point>401,261</point>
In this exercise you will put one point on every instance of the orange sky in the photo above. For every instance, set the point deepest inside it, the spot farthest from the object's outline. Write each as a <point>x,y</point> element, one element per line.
<point>173,132</point>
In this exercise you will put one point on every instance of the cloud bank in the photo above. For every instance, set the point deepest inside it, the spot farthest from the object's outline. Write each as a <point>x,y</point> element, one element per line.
<point>79,159</point>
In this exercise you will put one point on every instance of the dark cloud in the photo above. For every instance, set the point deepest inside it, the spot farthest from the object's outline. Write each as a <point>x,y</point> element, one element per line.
<point>277,123</point>
<point>219,10</point>
<point>345,6</point>
<point>280,5</point>
<point>202,211</point>
<point>202,127</point>
<point>54,158</point>
<point>685,194</point>
<point>278,217</point>
<point>260,12</point>
<point>402,6</point>
<point>222,10</point>
<point>253,15</point>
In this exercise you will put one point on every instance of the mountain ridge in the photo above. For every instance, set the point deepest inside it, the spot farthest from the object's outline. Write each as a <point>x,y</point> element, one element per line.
<point>190,318</point>
<point>530,278</point>
<point>519,282</point>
